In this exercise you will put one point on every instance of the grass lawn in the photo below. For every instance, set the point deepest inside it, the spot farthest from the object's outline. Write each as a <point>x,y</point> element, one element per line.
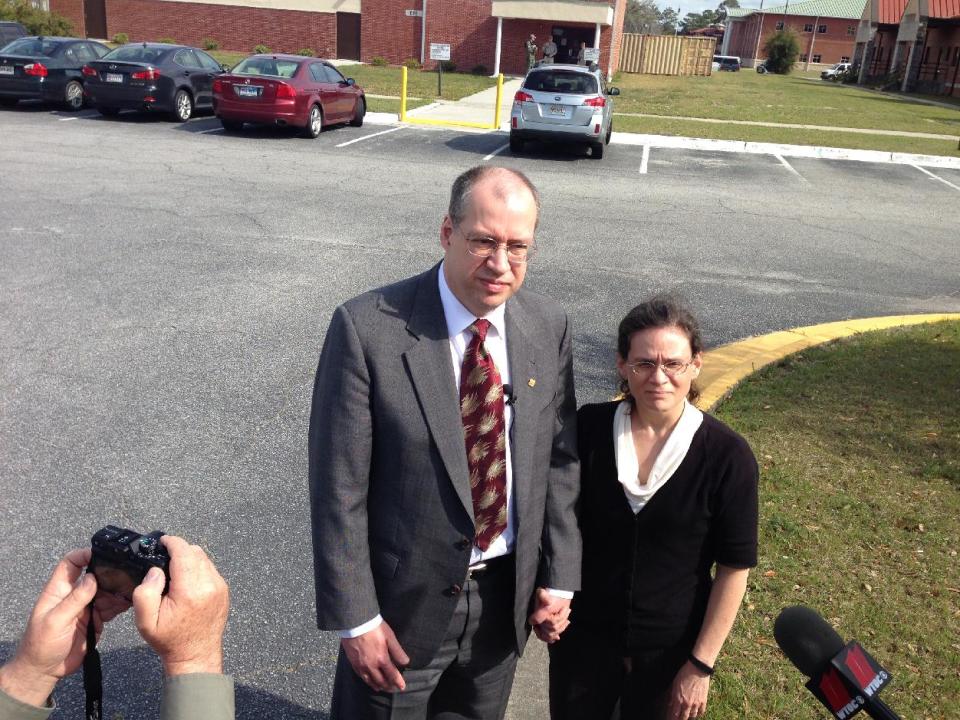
<point>795,98</point>
<point>386,81</point>
<point>859,448</point>
<point>389,105</point>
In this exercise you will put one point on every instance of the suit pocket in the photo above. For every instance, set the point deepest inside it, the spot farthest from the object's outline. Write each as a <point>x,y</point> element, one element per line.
<point>384,564</point>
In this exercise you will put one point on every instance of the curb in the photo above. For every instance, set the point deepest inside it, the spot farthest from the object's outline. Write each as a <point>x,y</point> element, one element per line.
<point>728,365</point>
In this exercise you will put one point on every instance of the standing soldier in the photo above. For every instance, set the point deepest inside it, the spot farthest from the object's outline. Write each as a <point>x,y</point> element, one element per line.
<point>531,52</point>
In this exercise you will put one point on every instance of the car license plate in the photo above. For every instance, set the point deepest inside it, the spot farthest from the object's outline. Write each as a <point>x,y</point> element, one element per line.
<point>559,110</point>
<point>6,69</point>
<point>247,90</point>
<point>113,77</point>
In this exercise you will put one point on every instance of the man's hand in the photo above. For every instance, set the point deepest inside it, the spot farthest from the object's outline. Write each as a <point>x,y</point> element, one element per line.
<point>185,626</point>
<point>551,616</point>
<point>377,658</point>
<point>55,640</point>
<point>688,694</point>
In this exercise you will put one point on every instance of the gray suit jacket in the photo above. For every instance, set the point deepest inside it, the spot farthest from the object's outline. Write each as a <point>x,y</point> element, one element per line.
<point>389,487</point>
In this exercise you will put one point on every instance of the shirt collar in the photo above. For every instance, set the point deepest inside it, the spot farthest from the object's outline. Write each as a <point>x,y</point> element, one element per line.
<point>459,318</point>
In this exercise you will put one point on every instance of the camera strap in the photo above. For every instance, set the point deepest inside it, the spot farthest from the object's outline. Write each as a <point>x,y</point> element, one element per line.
<point>92,673</point>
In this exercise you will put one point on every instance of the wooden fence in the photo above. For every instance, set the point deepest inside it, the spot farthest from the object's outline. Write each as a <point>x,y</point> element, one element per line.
<point>667,54</point>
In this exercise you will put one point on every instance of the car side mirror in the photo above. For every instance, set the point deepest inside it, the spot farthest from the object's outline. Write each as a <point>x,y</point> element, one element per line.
<point>225,68</point>
<point>613,91</point>
<point>351,82</point>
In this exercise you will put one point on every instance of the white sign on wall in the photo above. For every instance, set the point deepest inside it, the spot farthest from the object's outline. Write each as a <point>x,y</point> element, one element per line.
<point>591,55</point>
<point>439,51</point>
<point>413,13</point>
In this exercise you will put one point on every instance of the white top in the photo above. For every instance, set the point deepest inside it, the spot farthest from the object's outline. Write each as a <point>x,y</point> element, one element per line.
<point>668,460</point>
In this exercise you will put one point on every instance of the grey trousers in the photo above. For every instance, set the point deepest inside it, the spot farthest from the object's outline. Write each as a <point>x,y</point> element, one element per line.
<point>470,676</point>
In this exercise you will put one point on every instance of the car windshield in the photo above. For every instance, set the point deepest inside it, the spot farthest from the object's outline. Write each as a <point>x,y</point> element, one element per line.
<point>135,53</point>
<point>32,46</point>
<point>267,66</point>
<point>559,81</point>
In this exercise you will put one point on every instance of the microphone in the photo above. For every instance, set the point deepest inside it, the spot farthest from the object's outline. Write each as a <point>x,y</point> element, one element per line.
<point>843,676</point>
<point>508,397</point>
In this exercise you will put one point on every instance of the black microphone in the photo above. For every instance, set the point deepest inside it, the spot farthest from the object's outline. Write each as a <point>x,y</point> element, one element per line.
<point>843,676</point>
<point>508,397</point>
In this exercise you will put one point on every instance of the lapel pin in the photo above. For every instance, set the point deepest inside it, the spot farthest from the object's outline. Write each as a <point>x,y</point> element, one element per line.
<point>531,382</point>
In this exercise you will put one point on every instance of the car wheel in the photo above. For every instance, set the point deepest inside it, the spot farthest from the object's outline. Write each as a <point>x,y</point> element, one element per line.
<point>182,106</point>
<point>231,125</point>
<point>314,122</point>
<point>108,111</point>
<point>516,144</point>
<point>360,112</point>
<point>9,102</point>
<point>73,95</point>
<point>596,150</point>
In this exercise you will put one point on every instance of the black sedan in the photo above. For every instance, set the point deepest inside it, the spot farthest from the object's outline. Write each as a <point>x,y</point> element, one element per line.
<point>46,68</point>
<point>152,76</point>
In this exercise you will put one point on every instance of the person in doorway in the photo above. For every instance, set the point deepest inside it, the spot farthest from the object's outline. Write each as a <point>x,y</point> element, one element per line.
<point>549,51</point>
<point>582,54</point>
<point>531,46</point>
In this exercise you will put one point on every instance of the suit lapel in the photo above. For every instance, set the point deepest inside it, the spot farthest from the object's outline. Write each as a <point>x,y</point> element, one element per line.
<point>521,352</point>
<point>430,367</point>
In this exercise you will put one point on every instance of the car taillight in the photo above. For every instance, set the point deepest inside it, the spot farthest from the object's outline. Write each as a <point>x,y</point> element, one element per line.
<point>521,96</point>
<point>285,91</point>
<point>148,74</point>
<point>595,101</point>
<point>35,69</point>
<point>88,71</point>
<point>218,85</point>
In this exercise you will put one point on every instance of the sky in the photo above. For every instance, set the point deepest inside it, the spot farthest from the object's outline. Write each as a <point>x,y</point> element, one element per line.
<point>700,5</point>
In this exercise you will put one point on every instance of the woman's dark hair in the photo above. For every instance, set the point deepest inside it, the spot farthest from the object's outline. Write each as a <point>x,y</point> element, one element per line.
<point>662,311</point>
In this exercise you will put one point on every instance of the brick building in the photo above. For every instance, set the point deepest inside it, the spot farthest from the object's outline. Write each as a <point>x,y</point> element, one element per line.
<point>827,31</point>
<point>482,33</point>
<point>913,45</point>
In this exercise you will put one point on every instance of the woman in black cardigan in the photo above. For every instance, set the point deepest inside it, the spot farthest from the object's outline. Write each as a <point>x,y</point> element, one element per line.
<point>668,495</point>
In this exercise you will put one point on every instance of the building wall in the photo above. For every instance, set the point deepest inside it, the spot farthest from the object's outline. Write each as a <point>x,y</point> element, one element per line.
<point>72,10</point>
<point>838,42</point>
<point>939,62</point>
<point>235,28</point>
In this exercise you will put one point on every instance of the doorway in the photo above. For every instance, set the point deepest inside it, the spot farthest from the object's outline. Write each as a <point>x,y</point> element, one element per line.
<point>348,36</point>
<point>95,19</point>
<point>568,39</point>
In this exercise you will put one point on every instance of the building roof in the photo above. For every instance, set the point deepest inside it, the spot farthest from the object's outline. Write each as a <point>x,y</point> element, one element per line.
<point>889,12</point>
<point>944,8</point>
<point>850,9</point>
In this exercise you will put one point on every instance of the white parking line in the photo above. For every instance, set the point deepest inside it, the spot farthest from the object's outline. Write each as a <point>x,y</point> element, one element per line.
<point>211,130</point>
<point>495,152</point>
<point>935,177</point>
<point>789,167</point>
<point>645,160</point>
<point>367,137</point>
<point>69,119</point>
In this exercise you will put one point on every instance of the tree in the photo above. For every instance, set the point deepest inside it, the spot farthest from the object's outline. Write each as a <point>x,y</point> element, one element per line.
<point>36,21</point>
<point>668,21</point>
<point>696,21</point>
<point>782,49</point>
<point>642,16</point>
<point>722,9</point>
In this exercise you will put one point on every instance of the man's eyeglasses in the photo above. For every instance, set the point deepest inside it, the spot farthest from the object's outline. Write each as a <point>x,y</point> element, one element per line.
<point>517,252</point>
<point>645,368</point>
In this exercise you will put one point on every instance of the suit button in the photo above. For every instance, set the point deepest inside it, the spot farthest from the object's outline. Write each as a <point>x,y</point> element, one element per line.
<point>463,544</point>
<point>453,590</point>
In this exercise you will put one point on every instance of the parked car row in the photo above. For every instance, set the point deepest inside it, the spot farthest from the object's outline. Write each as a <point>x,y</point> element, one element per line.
<point>178,80</point>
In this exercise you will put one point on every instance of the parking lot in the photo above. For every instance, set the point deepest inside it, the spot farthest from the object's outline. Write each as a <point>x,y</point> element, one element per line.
<point>165,289</point>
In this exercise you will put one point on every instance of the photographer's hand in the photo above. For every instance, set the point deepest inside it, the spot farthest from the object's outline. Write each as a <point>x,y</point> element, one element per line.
<point>55,640</point>
<point>185,626</point>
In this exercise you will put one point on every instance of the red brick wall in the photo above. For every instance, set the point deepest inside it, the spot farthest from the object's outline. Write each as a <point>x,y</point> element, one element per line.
<point>72,10</point>
<point>386,32</point>
<point>940,62</point>
<point>235,28</point>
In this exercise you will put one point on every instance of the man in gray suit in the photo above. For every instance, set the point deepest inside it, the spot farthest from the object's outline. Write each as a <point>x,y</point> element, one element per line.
<point>443,470</point>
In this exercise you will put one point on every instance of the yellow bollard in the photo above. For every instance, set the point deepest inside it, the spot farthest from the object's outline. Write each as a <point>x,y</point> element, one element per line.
<point>496,110</point>
<point>403,94</point>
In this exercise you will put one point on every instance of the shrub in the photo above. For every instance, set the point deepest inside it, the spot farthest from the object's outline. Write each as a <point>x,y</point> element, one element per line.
<point>378,61</point>
<point>261,49</point>
<point>306,52</point>
<point>121,38</point>
<point>448,65</point>
<point>479,70</point>
<point>412,63</point>
<point>210,44</point>
<point>849,77</point>
<point>36,21</point>
<point>782,50</point>
<point>167,40</point>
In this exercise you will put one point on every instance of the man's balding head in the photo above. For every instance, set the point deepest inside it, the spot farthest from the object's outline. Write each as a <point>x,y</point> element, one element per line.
<point>503,181</point>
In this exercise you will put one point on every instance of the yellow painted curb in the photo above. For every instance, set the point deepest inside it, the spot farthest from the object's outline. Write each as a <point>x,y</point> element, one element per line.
<point>726,366</point>
<point>447,123</point>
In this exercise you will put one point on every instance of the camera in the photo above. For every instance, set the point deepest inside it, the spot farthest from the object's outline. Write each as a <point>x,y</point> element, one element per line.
<point>121,559</point>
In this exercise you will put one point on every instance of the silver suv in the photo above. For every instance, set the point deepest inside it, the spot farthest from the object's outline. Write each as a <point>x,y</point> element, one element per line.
<point>563,103</point>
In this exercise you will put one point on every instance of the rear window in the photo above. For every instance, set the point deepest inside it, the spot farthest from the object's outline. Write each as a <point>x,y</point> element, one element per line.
<point>267,66</point>
<point>557,81</point>
<point>32,46</point>
<point>135,53</point>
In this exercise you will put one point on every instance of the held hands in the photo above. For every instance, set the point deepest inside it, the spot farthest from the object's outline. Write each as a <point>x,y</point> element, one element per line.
<point>551,616</point>
<point>377,658</point>
<point>185,626</point>
<point>688,694</point>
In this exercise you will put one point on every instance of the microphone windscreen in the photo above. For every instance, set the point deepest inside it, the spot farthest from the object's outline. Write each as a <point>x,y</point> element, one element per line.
<point>806,639</point>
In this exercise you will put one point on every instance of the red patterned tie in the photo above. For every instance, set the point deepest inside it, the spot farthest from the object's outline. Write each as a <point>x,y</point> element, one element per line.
<point>481,408</point>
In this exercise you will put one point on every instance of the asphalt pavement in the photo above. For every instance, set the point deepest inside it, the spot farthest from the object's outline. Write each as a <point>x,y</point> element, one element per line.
<point>165,289</point>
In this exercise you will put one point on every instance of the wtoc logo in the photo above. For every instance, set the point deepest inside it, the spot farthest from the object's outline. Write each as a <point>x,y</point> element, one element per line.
<point>833,691</point>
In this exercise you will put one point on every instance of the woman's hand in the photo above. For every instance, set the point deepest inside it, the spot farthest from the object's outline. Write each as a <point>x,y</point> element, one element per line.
<point>688,694</point>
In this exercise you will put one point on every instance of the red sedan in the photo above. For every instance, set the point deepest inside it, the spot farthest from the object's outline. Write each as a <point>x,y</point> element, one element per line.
<point>287,90</point>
